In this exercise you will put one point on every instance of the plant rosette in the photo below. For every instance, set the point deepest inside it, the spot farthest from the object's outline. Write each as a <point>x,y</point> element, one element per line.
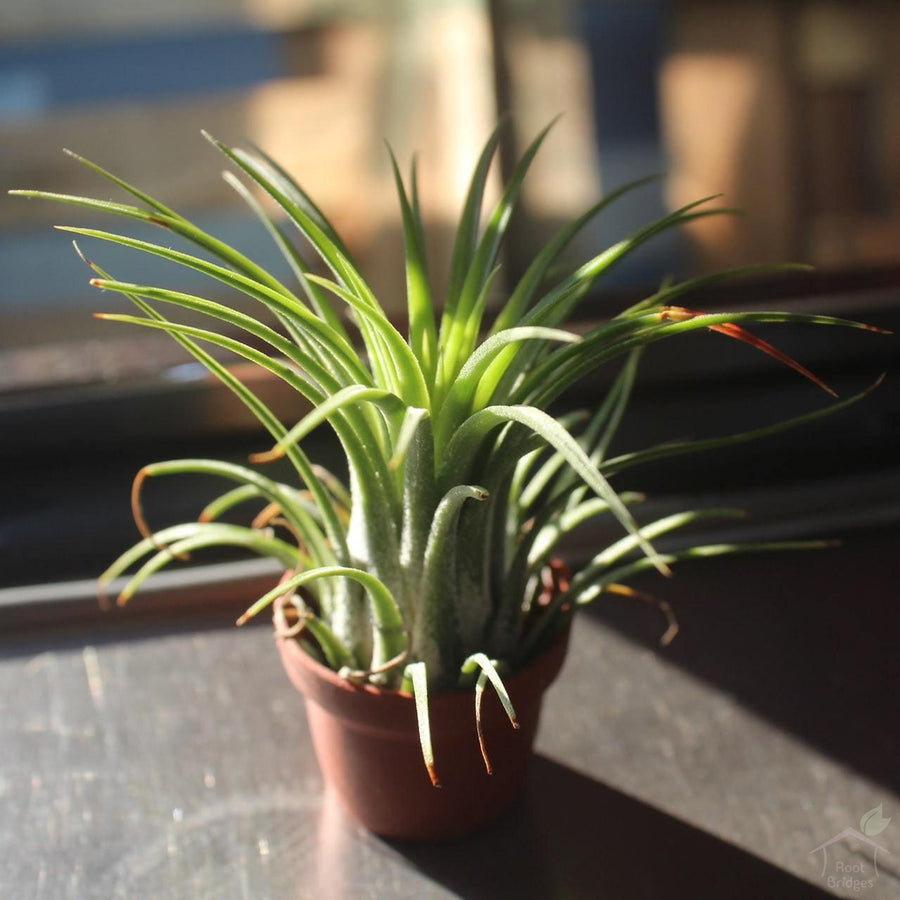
<point>424,572</point>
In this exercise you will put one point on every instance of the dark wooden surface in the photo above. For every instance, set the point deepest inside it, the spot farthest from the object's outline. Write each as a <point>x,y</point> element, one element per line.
<point>172,760</point>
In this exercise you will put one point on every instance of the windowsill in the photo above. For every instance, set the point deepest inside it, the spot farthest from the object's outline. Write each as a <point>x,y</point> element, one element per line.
<point>175,762</point>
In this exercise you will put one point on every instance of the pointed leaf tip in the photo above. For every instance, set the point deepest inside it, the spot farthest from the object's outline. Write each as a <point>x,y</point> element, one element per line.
<point>875,384</point>
<point>267,456</point>
<point>729,329</point>
<point>80,252</point>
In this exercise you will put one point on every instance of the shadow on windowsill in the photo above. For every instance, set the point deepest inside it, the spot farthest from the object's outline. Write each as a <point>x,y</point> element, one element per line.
<point>572,837</point>
<point>806,640</point>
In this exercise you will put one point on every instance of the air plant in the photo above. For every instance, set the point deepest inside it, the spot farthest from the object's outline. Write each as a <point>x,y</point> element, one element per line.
<point>426,570</point>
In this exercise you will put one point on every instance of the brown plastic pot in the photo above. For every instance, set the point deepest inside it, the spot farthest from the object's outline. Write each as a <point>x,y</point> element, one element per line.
<point>366,741</point>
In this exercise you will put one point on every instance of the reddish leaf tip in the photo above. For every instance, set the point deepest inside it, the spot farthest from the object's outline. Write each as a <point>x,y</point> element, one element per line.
<point>683,314</point>
<point>103,597</point>
<point>875,384</point>
<point>266,456</point>
<point>483,748</point>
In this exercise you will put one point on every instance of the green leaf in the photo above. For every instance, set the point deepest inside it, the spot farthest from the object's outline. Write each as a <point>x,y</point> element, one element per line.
<point>621,548</point>
<point>389,371</point>
<point>322,237</point>
<point>557,304</point>
<point>462,319</point>
<point>176,224</point>
<point>146,199</point>
<point>412,419</point>
<point>467,441</point>
<point>417,673</point>
<point>528,285</point>
<point>390,634</point>
<point>294,512</point>
<point>671,292</point>
<point>595,440</point>
<point>284,304</point>
<point>435,629</point>
<point>705,551</point>
<point>325,410</point>
<point>420,500</point>
<point>406,378</point>
<point>488,672</point>
<point>324,381</point>
<point>552,526</point>
<point>678,448</point>
<point>218,507</point>
<point>292,257</point>
<point>333,528</point>
<point>206,536</point>
<point>290,188</point>
<point>422,327</point>
<point>569,600</point>
<point>465,392</point>
<point>568,364</point>
<point>378,490</point>
<point>467,231</point>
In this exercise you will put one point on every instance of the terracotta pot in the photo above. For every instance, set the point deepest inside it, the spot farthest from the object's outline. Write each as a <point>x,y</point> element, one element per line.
<point>366,741</point>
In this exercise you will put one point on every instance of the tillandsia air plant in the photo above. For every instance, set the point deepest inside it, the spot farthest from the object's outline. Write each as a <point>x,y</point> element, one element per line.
<point>427,569</point>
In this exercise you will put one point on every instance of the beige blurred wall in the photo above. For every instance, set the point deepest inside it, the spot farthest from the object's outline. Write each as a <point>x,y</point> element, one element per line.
<point>791,111</point>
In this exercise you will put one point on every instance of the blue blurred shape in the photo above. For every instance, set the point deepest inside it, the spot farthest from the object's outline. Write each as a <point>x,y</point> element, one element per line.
<point>40,76</point>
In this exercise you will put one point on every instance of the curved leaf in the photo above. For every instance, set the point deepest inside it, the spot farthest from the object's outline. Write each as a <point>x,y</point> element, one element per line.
<point>417,673</point>
<point>465,392</point>
<point>488,673</point>
<point>348,396</point>
<point>390,634</point>
<point>468,440</point>
<point>210,536</point>
<point>435,628</point>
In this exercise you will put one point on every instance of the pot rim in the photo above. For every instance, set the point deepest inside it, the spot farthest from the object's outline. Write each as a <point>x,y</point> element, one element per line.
<point>553,654</point>
<point>556,578</point>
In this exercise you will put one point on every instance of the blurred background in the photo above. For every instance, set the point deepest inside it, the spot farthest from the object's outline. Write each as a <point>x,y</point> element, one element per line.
<point>790,110</point>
